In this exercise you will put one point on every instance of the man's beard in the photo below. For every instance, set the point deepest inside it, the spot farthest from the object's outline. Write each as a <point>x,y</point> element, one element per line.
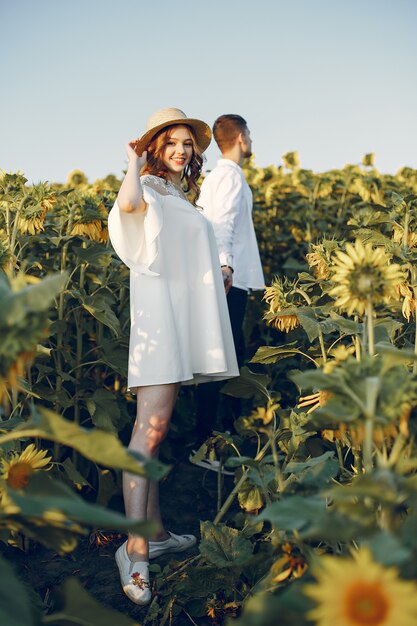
<point>247,154</point>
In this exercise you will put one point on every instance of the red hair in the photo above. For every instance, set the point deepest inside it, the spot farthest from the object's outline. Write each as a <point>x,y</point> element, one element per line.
<point>155,165</point>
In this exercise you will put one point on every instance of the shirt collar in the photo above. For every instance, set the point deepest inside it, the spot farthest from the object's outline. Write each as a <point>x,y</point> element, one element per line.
<point>229,162</point>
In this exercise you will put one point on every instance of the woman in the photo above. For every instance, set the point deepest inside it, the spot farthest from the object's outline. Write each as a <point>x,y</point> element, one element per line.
<point>180,328</point>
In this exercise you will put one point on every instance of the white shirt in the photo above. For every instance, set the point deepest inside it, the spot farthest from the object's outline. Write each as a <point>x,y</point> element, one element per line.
<point>226,200</point>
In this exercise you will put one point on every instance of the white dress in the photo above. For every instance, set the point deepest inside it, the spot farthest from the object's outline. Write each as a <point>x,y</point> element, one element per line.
<point>180,326</point>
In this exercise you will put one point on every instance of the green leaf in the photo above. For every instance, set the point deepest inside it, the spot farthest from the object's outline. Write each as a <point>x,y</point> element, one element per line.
<point>204,580</point>
<point>99,308</point>
<point>389,326</point>
<point>251,497</point>
<point>115,354</point>
<point>345,325</point>
<point>379,486</point>
<point>97,445</point>
<point>268,354</point>
<point>104,410</point>
<point>15,605</point>
<point>336,410</point>
<point>33,299</point>
<point>294,512</point>
<point>95,254</point>
<point>267,609</point>
<point>78,608</point>
<point>388,549</point>
<point>309,324</point>
<point>73,474</point>
<point>107,486</point>
<point>297,468</point>
<point>11,423</point>
<point>223,546</point>
<point>45,496</point>
<point>248,385</point>
<point>392,357</point>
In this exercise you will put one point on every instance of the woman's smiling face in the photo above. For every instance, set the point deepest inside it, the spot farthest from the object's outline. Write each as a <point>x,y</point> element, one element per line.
<point>178,150</point>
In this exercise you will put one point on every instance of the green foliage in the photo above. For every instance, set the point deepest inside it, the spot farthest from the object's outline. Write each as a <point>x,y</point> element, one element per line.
<point>223,546</point>
<point>97,445</point>
<point>14,613</point>
<point>77,607</point>
<point>318,474</point>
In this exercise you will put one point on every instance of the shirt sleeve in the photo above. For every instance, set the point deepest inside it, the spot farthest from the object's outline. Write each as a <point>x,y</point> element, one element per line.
<point>226,205</point>
<point>134,236</point>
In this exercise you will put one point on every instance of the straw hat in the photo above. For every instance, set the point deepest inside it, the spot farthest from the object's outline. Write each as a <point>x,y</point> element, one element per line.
<point>168,117</point>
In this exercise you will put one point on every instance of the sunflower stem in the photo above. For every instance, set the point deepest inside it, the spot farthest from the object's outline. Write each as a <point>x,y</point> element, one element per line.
<point>372,389</point>
<point>414,286</point>
<point>15,225</point>
<point>229,500</point>
<point>304,295</point>
<point>340,456</point>
<point>406,228</point>
<point>370,326</point>
<point>219,485</point>
<point>274,450</point>
<point>323,349</point>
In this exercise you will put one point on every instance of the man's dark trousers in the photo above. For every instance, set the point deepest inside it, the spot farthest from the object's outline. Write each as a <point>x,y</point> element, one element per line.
<point>208,394</point>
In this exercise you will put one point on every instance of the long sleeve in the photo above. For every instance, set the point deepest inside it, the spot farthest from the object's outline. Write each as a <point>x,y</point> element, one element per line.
<point>223,211</point>
<point>134,236</point>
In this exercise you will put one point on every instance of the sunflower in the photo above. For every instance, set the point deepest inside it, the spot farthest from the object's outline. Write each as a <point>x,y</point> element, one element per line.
<point>362,273</point>
<point>4,391</point>
<point>92,230</point>
<point>89,217</point>
<point>32,221</point>
<point>17,471</point>
<point>339,434</point>
<point>315,400</point>
<point>321,398</point>
<point>218,609</point>
<point>280,313</point>
<point>77,178</point>
<point>320,257</point>
<point>360,592</point>
<point>38,202</point>
<point>9,378</point>
<point>340,353</point>
<point>398,236</point>
<point>297,233</point>
<point>317,260</point>
<point>409,303</point>
<point>291,563</point>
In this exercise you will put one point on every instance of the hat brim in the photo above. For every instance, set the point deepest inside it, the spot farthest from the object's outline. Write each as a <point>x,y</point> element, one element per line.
<point>201,130</point>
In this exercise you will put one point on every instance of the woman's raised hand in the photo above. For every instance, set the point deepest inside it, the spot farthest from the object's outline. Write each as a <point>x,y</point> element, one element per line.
<point>130,196</point>
<point>133,156</point>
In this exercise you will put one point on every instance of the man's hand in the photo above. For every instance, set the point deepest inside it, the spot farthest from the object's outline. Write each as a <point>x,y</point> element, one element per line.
<point>227,278</point>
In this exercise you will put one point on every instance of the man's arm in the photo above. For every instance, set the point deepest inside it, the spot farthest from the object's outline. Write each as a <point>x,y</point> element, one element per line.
<point>226,206</point>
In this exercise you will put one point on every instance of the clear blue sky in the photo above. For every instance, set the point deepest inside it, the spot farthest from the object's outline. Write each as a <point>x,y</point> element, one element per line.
<point>333,79</point>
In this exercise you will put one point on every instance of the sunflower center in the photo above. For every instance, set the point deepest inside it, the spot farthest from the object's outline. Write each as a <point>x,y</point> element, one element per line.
<point>18,475</point>
<point>366,604</point>
<point>363,281</point>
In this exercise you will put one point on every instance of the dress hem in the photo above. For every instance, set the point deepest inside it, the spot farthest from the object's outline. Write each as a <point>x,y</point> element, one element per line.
<point>196,379</point>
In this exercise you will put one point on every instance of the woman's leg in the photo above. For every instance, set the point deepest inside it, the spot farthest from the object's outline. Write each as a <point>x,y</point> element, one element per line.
<point>154,408</point>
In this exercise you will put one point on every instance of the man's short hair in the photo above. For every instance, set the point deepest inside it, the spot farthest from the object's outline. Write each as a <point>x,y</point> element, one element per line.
<point>226,130</point>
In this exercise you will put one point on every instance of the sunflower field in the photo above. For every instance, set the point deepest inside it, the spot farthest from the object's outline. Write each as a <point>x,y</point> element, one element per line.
<point>315,522</point>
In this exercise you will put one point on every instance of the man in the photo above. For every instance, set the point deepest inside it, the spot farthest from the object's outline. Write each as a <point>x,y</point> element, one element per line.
<point>226,199</point>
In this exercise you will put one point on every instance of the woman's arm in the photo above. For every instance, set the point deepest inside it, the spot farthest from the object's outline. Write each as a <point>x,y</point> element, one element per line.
<point>130,198</point>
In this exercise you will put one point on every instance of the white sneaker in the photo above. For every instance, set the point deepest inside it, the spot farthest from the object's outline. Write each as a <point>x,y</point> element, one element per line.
<point>134,576</point>
<point>174,543</point>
